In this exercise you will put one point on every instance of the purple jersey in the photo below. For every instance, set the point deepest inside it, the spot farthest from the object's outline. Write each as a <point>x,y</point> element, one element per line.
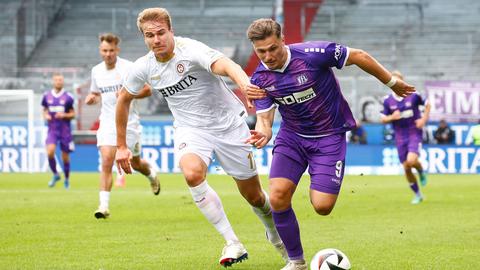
<point>405,128</point>
<point>58,102</point>
<point>306,90</point>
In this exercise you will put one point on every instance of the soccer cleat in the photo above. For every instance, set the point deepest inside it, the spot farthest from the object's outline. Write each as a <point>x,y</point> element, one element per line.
<point>120,181</point>
<point>296,265</point>
<point>233,252</point>
<point>155,184</point>
<point>102,213</point>
<point>417,199</point>
<point>66,183</point>
<point>280,247</point>
<point>423,179</point>
<point>54,180</point>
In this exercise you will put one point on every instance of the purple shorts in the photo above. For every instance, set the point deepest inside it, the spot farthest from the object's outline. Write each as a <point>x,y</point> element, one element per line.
<point>66,140</point>
<point>324,156</point>
<point>412,145</point>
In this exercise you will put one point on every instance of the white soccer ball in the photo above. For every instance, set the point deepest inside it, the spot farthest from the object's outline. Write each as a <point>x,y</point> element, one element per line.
<point>330,259</point>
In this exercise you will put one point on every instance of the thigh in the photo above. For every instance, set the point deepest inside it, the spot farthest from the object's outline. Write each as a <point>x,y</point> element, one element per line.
<point>106,137</point>
<point>189,140</point>
<point>66,144</point>
<point>326,161</point>
<point>234,155</point>
<point>133,143</point>
<point>288,160</point>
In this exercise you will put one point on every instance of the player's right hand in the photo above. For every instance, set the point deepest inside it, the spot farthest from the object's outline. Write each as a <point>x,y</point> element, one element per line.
<point>396,115</point>
<point>122,158</point>
<point>90,99</point>
<point>402,88</point>
<point>257,139</point>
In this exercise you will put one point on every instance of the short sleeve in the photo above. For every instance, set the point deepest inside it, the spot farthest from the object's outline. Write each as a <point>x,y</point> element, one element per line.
<point>386,108</point>
<point>204,55</point>
<point>93,83</point>
<point>327,54</point>
<point>69,104</point>
<point>422,100</point>
<point>44,101</point>
<point>136,78</point>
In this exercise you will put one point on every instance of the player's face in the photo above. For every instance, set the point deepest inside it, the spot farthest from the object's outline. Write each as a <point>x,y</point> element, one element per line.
<point>159,39</point>
<point>57,82</point>
<point>271,51</point>
<point>109,52</point>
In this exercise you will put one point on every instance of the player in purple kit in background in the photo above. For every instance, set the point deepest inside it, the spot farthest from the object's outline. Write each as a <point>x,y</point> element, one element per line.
<point>58,112</point>
<point>407,121</point>
<point>315,117</point>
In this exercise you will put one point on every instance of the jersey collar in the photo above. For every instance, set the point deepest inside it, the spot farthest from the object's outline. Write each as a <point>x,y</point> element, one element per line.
<point>281,70</point>
<point>397,97</point>
<point>54,94</point>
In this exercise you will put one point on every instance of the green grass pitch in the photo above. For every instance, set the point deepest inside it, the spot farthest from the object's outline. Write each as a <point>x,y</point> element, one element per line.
<point>373,223</point>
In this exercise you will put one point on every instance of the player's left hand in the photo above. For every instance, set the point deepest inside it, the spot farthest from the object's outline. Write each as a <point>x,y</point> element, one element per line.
<point>257,139</point>
<point>59,115</point>
<point>403,89</point>
<point>420,123</point>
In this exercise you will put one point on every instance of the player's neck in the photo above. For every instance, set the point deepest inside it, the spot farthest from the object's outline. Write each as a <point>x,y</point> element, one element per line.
<point>110,66</point>
<point>165,57</point>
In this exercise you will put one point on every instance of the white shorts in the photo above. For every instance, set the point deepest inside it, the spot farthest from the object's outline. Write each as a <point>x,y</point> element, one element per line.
<point>106,137</point>
<point>229,147</point>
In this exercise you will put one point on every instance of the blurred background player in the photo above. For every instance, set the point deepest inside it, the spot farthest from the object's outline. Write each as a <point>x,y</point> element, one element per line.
<point>299,79</point>
<point>58,112</point>
<point>444,134</point>
<point>408,121</point>
<point>208,120</point>
<point>107,79</point>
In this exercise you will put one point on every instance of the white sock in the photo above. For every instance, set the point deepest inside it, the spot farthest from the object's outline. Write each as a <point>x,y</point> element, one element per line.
<point>104,199</point>
<point>264,213</point>
<point>152,175</point>
<point>209,203</point>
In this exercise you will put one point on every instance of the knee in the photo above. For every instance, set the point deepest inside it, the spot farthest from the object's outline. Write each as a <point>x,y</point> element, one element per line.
<point>193,176</point>
<point>279,199</point>
<point>323,209</point>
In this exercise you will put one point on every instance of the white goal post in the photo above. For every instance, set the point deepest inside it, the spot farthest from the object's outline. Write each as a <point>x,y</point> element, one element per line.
<point>17,95</point>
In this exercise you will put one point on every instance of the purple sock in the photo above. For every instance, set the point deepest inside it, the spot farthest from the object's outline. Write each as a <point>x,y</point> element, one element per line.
<point>53,165</point>
<point>414,187</point>
<point>66,169</point>
<point>287,227</point>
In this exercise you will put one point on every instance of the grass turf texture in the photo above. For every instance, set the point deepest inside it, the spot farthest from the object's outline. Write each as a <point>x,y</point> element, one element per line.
<point>373,223</point>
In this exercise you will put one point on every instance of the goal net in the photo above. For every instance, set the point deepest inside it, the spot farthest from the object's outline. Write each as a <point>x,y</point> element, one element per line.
<point>20,132</point>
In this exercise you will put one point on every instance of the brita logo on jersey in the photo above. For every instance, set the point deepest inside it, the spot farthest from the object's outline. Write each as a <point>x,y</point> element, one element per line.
<point>181,85</point>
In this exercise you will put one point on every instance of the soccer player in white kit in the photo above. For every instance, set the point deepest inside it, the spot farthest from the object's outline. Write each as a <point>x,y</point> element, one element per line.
<point>107,79</point>
<point>208,119</point>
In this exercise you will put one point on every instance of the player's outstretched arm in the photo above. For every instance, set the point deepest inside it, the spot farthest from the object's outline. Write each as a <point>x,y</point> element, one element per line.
<point>122,109</point>
<point>370,65</point>
<point>226,67</point>
<point>263,129</point>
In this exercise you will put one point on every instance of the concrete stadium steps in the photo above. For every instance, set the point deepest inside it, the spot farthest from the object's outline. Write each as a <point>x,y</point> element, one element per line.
<point>444,46</point>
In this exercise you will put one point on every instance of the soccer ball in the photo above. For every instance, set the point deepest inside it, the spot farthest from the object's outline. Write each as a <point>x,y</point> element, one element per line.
<point>330,259</point>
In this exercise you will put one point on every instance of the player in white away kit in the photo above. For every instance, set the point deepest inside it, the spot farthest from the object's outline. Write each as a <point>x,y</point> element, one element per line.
<point>107,79</point>
<point>209,119</point>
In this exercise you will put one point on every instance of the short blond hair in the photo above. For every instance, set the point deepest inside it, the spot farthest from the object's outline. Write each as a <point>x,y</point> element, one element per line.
<point>154,14</point>
<point>109,38</point>
<point>262,28</point>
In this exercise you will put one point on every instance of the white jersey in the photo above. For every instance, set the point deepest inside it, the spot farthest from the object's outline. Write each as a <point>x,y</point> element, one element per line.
<point>107,83</point>
<point>197,97</point>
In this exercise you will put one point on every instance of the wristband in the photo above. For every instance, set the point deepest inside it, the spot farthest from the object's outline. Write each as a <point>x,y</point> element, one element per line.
<point>392,82</point>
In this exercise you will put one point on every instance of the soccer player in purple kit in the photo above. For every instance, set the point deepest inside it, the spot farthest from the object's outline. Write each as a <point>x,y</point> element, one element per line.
<point>408,121</point>
<point>58,112</point>
<point>315,117</point>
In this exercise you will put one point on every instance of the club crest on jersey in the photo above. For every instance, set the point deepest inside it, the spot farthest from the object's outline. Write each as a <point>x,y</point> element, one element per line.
<point>62,101</point>
<point>302,79</point>
<point>408,104</point>
<point>270,88</point>
<point>180,68</point>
